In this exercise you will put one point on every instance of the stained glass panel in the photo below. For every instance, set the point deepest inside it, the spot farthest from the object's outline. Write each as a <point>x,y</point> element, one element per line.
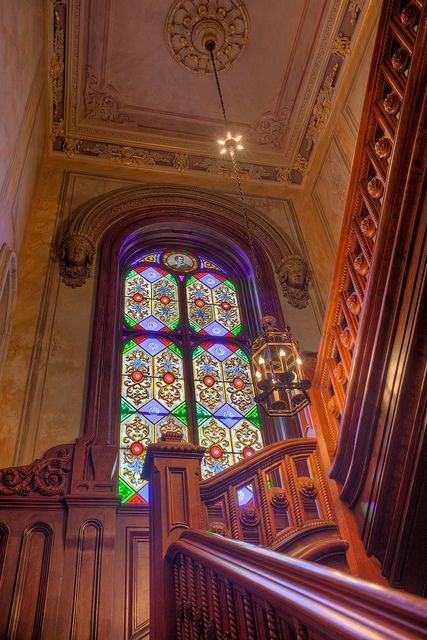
<point>151,299</point>
<point>153,398</point>
<point>179,260</point>
<point>148,257</point>
<point>227,416</point>
<point>212,305</point>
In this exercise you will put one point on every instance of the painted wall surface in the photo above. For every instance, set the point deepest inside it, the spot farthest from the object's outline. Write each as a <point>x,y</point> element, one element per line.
<point>22,134</point>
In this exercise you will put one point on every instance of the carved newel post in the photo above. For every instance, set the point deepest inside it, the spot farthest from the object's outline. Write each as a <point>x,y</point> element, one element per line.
<point>173,469</point>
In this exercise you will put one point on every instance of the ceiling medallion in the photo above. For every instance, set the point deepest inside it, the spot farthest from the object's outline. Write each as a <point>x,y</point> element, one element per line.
<point>192,23</point>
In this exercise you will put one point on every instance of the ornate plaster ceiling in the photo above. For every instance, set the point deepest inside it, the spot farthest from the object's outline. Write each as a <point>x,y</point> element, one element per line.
<point>119,92</point>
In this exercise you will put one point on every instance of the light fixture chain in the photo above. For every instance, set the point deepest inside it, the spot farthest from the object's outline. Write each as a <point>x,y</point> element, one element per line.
<point>218,87</point>
<point>248,232</point>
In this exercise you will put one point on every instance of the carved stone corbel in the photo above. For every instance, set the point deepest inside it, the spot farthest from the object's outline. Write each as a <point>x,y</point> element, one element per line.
<point>295,277</point>
<point>76,256</point>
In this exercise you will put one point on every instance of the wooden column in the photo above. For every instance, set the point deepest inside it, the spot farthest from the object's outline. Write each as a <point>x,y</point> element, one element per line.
<point>173,469</point>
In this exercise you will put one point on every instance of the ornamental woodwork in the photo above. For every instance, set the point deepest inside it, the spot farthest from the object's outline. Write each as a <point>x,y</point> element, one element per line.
<point>376,437</point>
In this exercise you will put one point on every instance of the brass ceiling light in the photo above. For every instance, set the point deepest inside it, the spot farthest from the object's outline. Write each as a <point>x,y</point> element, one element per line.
<point>281,388</point>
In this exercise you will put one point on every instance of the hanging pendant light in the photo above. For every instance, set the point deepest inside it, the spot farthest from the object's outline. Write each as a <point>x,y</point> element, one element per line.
<point>281,388</point>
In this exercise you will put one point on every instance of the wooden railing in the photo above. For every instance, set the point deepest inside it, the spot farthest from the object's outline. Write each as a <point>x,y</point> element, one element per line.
<point>369,218</point>
<point>278,499</point>
<point>228,589</point>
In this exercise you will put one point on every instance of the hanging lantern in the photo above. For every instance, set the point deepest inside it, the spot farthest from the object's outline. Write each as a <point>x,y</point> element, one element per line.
<point>281,388</point>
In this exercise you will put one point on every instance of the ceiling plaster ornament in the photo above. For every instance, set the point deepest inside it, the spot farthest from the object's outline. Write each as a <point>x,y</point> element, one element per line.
<point>180,161</point>
<point>294,276</point>
<point>57,64</point>
<point>129,156</point>
<point>354,8</point>
<point>71,147</point>
<point>190,23</point>
<point>322,108</point>
<point>300,164</point>
<point>271,128</point>
<point>102,103</point>
<point>284,174</point>
<point>341,45</point>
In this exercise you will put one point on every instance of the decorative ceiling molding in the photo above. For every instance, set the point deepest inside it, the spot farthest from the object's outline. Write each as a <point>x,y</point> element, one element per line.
<point>102,104</point>
<point>190,22</point>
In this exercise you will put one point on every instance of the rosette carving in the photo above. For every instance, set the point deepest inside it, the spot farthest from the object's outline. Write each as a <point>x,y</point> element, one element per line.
<point>249,516</point>
<point>400,59</point>
<point>383,147</point>
<point>339,373</point>
<point>346,338</point>
<point>191,24</point>
<point>353,304</point>
<point>375,188</point>
<point>367,227</point>
<point>308,488</point>
<point>391,103</point>
<point>279,497</point>
<point>360,264</point>
<point>47,477</point>
<point>332,407</point>
<point>409,15</point>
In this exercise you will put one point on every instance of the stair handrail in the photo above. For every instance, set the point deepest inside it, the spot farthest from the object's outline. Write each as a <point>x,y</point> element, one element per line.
<point>293,594</point>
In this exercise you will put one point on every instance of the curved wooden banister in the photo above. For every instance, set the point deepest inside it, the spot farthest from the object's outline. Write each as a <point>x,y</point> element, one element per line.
<point>290,509</point>
<point>229,589</point>
<point>239,472</point>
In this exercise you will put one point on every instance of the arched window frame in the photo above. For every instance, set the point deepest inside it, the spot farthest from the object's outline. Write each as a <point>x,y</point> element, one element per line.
<point>118,225</point>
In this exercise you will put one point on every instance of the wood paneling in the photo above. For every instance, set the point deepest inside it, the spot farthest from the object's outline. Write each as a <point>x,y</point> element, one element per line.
<point>28,608</point>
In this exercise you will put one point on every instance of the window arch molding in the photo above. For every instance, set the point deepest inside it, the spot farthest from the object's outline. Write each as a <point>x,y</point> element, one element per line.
<point>126,222</point>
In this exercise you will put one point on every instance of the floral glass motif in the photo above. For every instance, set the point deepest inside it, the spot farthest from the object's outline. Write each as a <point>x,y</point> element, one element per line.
<point>153,397</point>
<point>151,299</point>
<point>212,305</point>
<point>227,416</point>
<point>153,387</point>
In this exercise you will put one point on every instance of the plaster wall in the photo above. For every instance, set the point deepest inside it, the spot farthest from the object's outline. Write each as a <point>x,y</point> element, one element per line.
<point>22,139</point>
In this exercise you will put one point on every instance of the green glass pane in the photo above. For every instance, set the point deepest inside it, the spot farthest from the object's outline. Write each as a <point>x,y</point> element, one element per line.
<point>174,347</point>
<point>236,330</point>
<point>253,416</point>
<point>129,321</point>
<point>181,413</point>
<point>124,490</point>
<point>129,344</point>
<point>170,277</point>
<point>191,279</point>
<point>125,409</point>
<point>230,284</point>
<point>131,274</point>
<point>194,326</point>
<point>202,413</point>
<point>197,350</point>
<point>242,354</point>
<point>174,324</point>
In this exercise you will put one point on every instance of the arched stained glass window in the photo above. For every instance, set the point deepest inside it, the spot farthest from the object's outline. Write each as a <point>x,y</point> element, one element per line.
<point>184,363</point>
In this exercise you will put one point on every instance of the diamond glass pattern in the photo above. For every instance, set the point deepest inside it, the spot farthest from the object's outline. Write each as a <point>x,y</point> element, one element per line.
<point>153,387</point>
<point>226,411</point>
<point>151,299</point>
<point>153,396</point>
<point>212,305</point>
